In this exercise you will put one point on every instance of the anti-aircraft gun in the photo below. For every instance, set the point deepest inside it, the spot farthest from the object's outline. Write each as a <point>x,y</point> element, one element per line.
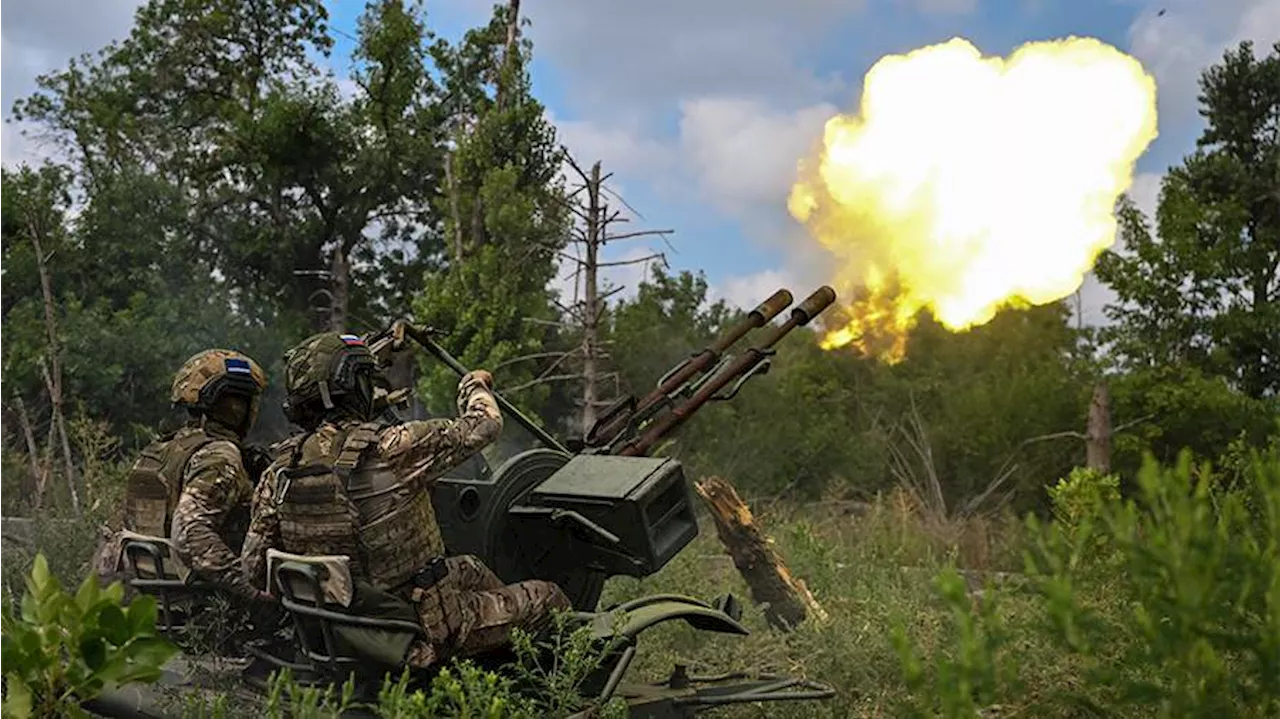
<point>610,509</point>
<point>576,517</point>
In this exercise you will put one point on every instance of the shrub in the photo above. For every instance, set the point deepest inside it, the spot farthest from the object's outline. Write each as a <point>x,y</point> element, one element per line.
<point>1184,621</point>
<point>62,649</point>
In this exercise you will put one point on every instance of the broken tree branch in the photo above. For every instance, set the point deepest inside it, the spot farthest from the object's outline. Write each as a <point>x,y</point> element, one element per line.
<point>786,600</point>
<point>38,478</point>
<point>637,233</point>
<point>542,380</point>
<point>53,378</point>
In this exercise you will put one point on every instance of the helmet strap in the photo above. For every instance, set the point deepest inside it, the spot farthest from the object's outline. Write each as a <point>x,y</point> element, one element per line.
<point>325,398</point>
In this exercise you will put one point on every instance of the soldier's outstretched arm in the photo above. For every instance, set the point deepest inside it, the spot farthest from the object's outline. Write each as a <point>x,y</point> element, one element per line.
<point>424,449</point>
<point>264,532</point>
<point>215,483</point>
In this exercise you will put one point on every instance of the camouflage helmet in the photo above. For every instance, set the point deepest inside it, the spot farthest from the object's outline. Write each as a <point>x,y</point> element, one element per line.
<point>204,377</point>
<point>327,365</point>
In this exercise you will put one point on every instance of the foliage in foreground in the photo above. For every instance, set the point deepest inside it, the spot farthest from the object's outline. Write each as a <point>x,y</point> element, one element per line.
<point>542,683</point>
<point>1167,602</point>
<point>62,649</point>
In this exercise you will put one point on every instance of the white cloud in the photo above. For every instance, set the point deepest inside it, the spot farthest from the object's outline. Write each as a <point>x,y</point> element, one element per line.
<point>747,291</point>
<point>1145,193</point>
<point>743,153</point>
<point>1090,302</point>
<point>39,37</point>
<point>623,151</point>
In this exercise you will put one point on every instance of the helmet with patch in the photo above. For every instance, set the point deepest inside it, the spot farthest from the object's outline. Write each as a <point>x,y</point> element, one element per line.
<point>208,375</point>
<point>325,367</point>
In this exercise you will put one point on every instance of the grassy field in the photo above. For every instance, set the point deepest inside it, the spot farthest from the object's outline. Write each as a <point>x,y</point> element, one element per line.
<point>1162,604</point>
<point>871,572</point>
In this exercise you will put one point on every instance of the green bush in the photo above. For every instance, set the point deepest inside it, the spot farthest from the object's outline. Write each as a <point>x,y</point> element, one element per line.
<point>975,674</point>
<point>1082,495</point>
<point>1184,621</point>
<point>61,649</point>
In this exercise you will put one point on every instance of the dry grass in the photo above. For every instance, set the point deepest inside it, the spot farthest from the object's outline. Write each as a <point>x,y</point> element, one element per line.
<point>870,571</point>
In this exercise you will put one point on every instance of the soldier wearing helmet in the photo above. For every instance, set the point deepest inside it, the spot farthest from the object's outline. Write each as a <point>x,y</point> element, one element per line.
<point>192,485</point>
<point>355,484</point>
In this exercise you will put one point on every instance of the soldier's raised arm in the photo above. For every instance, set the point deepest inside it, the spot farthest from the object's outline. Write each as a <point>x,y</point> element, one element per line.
<point>424,449</point>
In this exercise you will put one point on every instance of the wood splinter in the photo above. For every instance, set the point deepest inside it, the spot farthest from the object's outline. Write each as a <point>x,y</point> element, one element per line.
<point>785,599</point>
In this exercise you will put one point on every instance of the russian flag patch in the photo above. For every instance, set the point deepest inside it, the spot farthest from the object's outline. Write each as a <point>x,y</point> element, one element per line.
<point>352,340</point>
<point>235,365</point>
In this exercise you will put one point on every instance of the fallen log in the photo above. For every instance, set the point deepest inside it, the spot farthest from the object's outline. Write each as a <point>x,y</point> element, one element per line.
<point>785,599</point>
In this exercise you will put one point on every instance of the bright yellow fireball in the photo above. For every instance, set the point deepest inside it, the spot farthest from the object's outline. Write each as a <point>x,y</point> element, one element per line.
<point>966,184</point>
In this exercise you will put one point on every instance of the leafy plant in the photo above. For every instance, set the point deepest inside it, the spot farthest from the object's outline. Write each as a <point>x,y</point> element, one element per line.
<point>62,649</point>
<point>459,690</point>
<point>552,672</point>
<point>975,673</point>
<point>1078,501</point>
<point>287,698</point>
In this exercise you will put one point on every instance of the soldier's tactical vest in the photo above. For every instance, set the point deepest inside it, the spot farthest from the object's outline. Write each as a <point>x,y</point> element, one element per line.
<point>342,505</point>
<point>155,481</point>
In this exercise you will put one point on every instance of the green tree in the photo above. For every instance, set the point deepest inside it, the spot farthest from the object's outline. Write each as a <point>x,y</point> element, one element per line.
<point>506,218</point>
<point>1204,290</point>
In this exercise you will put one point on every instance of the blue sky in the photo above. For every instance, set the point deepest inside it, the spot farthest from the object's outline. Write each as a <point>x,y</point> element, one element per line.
<point>702,107</point>
<point>659,91</point>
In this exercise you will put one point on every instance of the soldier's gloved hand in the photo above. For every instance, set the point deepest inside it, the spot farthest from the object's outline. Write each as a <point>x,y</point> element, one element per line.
<point>256,460</point>
<point>483,377</point>
<point>265,612</point>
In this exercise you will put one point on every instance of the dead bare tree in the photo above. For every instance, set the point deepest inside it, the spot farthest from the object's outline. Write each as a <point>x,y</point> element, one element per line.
<point>37,230</point>
<point>588,240</point>
<point>38,478</point>
<point>1097,435</point>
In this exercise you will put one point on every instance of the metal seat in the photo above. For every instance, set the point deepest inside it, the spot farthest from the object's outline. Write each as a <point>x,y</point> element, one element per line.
<point>317,591</point>
<point>156,570</point>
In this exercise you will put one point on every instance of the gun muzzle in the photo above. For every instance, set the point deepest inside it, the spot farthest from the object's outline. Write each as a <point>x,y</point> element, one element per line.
<point>746,364</point>
<point>814,305</point>
<point>772,307</point>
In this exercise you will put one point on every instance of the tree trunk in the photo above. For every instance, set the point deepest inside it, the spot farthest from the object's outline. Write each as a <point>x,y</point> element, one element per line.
<point>787,601</point>
<point>451,185</point>
<point>38,479</point>
<point>340,282</point>
<point>58,433</point>
<point>591,303</point>
<point>508,54</point>
<point>1098,431</point>
<point>53,377</point>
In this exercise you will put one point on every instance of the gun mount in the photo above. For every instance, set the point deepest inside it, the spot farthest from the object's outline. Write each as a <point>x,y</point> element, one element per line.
<point>547,513</point>
<point>611,509</point>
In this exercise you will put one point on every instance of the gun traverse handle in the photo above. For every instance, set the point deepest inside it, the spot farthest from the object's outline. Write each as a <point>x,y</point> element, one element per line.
<point>423,338</point>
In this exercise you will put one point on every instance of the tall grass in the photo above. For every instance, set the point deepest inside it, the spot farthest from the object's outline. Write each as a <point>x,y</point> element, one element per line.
<point>1165,603</point>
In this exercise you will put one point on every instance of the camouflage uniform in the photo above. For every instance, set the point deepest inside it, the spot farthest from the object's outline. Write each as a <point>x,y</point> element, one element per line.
<point>374,507</point>
<point>212,517</point>
<point>192,486</point>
